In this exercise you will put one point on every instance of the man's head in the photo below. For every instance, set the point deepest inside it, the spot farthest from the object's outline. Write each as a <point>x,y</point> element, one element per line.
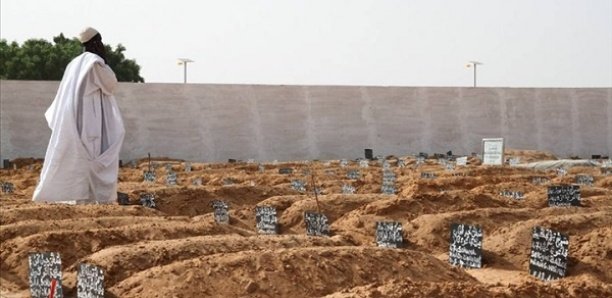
<point>91,39</point>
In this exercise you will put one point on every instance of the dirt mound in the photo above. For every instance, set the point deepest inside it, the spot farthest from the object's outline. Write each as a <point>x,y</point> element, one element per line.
<point>177,249</point>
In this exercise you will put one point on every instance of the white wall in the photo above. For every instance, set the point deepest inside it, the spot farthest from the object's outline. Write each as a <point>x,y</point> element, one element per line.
<point>217,122</point>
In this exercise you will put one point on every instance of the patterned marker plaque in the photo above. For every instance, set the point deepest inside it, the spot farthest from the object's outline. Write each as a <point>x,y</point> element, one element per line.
<point>149,176</point>
<point>266,221</point>
<point>389,234</point>
<point>7,187</point>
<point>316,224</point>
<point>348,189</point>
<point>45,269</point>
<point>584,180</point>
<point>465,246</point>
<point>549,250</point>
<point>147,200</point>
<point>353,174</point>
<point>171,178</point>
<point>90,281</point>
<point>564,195</point>
<point>220,209</point>
<point>298,185</point>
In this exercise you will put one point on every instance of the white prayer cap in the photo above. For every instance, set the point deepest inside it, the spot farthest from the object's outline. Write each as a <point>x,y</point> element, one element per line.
<point>87,34</point>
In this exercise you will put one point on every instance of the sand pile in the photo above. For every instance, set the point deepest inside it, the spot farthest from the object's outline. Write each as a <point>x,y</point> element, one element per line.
<point>178,250</point>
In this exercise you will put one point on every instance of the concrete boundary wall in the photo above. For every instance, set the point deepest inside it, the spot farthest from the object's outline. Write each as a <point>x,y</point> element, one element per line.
<point>215,122</point>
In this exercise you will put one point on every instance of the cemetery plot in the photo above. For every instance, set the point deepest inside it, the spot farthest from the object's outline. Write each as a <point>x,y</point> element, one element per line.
<point>90,281</point>
<point>316,224</point>
<point>564,195</point>
<point>147,200</point>
<point>493,151</point>
<point>389,234</point>
<point>220,210</point>
<point>266,221</point>
<point>45,274</point>
<point>549,250</point>
<point>465,246</point>
<point>584,180</point>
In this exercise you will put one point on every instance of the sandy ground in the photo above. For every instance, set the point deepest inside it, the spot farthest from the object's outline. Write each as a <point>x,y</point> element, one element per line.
<point>177,250</point>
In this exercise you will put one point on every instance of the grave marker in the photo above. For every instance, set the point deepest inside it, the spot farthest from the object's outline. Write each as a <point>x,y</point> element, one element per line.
<point>298,185</point>
<point>564,195</point>
<point>231,160</point>
<point>517,195</point>
<point>428,175</point>
<point>514,161</point>
<point>348,189</point>
<point>363,163</point>
<point>147,200</point>
<point>606,171</point>
<point>493,151</point>
<point>401,163</point>
<point>171,178</point>
<point>168,167</point>
<point>540,180</point>
<point>450,167</point>
<point>419,161</point>
<point>389,234</point>
<point>45,270</point>
<point>261,168</point>
<point>353,174</point>
<point>461,161</point>
<point>388,183</point>
<point>266,221</point>
<point>285,171</point>
<point>90,281</point>
<point>584,179</point>
<point>123,198</point>
<point>465,246</point>
<point>343,163</point>
<point>187,167</point>
<point>561,171</point>
<point>220,212</point>
<point>316,224</point>
<point>7,187</point>
<point>549,251</point>
<point>149,176</point>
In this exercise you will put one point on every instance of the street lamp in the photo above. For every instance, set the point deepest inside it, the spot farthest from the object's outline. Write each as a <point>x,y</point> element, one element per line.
<point>473,64</point>
<point>184,61</point>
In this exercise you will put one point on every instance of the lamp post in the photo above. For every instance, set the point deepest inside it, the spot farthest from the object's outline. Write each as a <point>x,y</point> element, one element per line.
<point>473,64</point>
<point>184,61</point>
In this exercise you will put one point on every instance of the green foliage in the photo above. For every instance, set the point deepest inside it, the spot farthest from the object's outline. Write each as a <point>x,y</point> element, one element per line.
<point>38,59</point>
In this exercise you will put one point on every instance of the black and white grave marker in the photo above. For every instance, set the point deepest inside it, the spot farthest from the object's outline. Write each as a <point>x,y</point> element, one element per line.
<point>564,195</point>
<point>149,176</point>
<point>147,200</point>
<point>428,175</point>
<point>584,179</point>
<point>123,198</point>
<point>45,273</point>
<point>7,187</point>
<point>348,189</point>
<point>285,171</point>
<point>298,185</point>
<point>389,234</point>
<point>549,250</point>
<point>388,183</point>
<point>561,171</point>
<point>90,281</point>
<point>171,178</point>
<point>316,224</point>
<point>220,212</point>
<point>465,246</point>
<point>461,161</point>
<point>353,174</point>
<point>266,221</point>
<point>517,195</point>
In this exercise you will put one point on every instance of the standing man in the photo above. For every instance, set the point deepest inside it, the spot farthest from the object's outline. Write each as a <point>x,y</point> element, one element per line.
<point>82,159</point>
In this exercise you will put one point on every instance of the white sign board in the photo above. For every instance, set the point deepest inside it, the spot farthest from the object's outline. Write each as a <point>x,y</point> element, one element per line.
<point>493,151</point>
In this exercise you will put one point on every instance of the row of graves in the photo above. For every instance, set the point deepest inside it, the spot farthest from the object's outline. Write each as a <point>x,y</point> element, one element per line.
<point>547,260</point>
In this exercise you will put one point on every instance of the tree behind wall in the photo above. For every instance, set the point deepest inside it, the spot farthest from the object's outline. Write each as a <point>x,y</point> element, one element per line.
<point>38,59</point>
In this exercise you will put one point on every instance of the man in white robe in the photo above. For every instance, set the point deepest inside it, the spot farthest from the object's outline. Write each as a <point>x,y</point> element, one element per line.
<point>82,159</point>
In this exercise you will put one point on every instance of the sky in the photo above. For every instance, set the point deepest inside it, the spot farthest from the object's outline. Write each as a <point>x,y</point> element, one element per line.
<point>521,43</point>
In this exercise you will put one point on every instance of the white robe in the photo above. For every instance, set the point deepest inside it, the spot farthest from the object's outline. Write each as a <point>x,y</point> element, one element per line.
<point>82,159</point>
